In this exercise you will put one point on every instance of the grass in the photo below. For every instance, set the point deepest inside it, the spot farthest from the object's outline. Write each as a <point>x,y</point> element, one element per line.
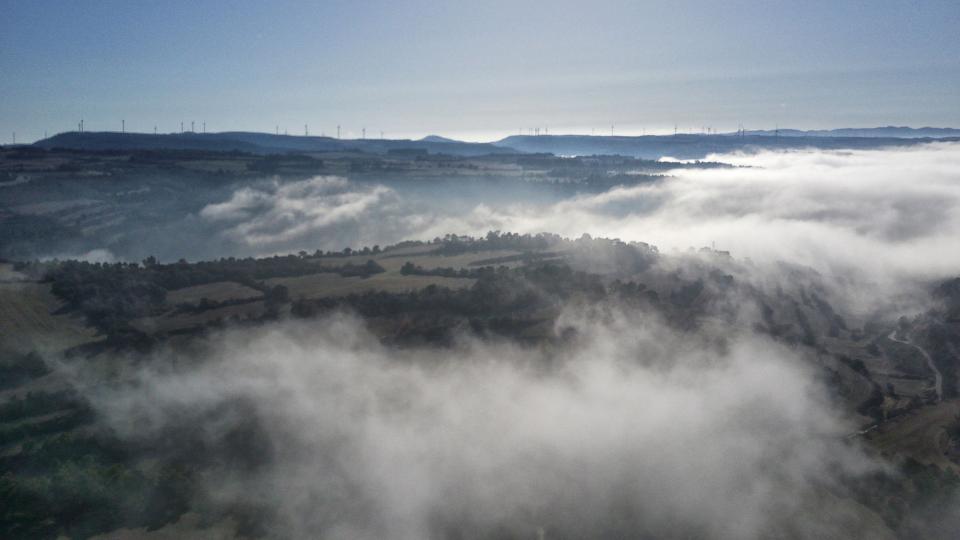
<point>170,322</point>
<point>920,434</point>
<point>455,261</point>
<point>8,274</point>
<point>219,291</point>
<point>329,284</point>
<point>28,323</point>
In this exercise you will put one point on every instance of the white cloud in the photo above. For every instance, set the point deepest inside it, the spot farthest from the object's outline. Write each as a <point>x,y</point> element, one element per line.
<point>884,214</point>
<point>878,213</point>
<point>280,213</point>
<point>631,429</point>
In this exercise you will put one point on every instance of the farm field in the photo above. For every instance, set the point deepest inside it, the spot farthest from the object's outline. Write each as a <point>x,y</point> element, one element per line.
<point>920,434</point>
<point>28,320</point>
<point>218,292</point>
<point>173,321</point>
<point>329,284</point>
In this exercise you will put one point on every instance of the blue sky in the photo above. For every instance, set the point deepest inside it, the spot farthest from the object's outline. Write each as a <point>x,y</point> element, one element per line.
<point>477,70</point>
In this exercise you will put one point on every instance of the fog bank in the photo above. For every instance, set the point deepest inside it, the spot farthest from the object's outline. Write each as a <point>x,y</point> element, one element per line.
<point>877,212</point>
<point>879,215</point>
<point>633,430</point>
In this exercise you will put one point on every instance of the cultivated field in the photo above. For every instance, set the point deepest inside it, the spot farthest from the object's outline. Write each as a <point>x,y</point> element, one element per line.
<point>219,291</point>
<point>920,434</point>
<point>28,322</point>
<point>329,284</point>
<point>172,321</point>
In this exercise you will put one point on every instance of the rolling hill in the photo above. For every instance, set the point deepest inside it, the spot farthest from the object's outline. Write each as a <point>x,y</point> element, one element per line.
<point>259,143</point>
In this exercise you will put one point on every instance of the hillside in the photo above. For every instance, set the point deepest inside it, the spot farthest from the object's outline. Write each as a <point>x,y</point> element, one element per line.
<point>258,143</point>
<point>902,132</point>
<point>682,146</point>
<point>512,290</point>
<point>690,146</point>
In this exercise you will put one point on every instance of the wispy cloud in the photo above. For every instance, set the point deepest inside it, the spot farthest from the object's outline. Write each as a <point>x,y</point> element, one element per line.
<point>283,212</point>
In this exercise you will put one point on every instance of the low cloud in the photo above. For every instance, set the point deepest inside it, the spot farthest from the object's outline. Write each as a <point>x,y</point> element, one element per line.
<point>277,214</point>
<point>881,215</point>
<point>100,255</point>
<point>632,431</point>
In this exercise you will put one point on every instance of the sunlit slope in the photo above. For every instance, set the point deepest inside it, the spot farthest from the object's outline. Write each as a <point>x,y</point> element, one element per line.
<point>29,320</point>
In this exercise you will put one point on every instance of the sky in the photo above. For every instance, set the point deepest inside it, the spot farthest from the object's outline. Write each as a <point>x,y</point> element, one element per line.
<point>475,70</point>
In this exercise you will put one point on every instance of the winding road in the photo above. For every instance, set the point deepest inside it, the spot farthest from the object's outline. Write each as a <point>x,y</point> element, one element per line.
<point>938,382</point>
<point>938,378</point>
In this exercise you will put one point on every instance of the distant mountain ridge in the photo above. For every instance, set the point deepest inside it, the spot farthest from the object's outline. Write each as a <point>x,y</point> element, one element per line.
<point>259,143</point>
<point>438,138</point>
<point>690,146</point>
<point>886,131</point>
<point>681,146</point>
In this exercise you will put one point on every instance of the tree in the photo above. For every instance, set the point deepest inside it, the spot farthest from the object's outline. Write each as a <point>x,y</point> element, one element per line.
<point>277,295</point>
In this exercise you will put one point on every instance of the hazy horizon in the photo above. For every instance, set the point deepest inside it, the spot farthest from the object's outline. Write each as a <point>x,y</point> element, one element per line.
<point>481,137</point>
<point>476,73</point>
